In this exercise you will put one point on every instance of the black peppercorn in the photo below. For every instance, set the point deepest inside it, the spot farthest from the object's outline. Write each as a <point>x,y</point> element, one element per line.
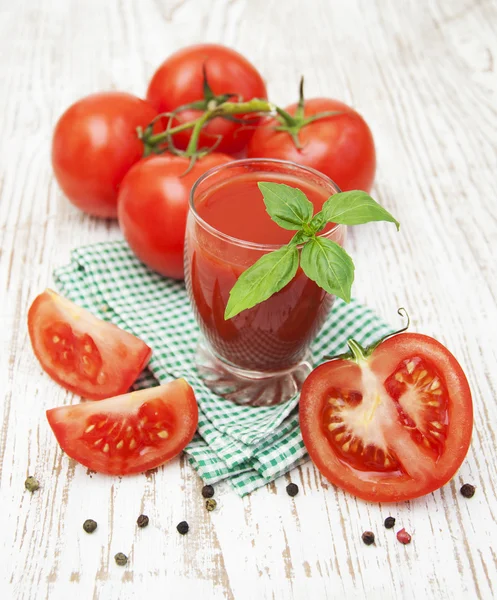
<point>207,491</point>
<point>210,504</point>
<point>121,559</point>
<point>142,521</point>
<point>468,490</point>
<point>31,484</point>
<point>389,522</point>
<point>182,527</point>
<point>292,489</point>
<point>89,525</point>
<point>368,538</point>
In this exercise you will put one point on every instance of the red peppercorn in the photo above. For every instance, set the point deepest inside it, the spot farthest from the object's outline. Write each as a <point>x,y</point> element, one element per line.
<point>403,536</point>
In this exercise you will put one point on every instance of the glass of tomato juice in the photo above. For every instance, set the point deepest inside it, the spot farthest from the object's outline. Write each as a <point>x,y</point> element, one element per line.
<point>261,356</point>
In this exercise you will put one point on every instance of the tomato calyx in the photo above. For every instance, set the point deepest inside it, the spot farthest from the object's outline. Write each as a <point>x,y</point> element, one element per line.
<point>358,353</point>
<point>292,124</point>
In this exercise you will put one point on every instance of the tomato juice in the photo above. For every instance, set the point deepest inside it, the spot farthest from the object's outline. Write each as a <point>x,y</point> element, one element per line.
<point>228,230</point>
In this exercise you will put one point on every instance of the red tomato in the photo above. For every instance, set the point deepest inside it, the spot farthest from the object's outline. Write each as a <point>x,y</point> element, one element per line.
<point>391,426</point>
<point>94,146</point>
<point>340,146</point>
<point>179,81</point>
<point>153,206</point>
<point>130,433</point>
<point>84,354</point>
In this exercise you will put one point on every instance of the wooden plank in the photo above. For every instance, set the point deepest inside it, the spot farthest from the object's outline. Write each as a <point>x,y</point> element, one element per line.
<point>423,76</point>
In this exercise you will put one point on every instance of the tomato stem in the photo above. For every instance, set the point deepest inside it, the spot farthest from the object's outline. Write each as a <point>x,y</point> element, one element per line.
<point>225,109</point>
<point>359,354</point>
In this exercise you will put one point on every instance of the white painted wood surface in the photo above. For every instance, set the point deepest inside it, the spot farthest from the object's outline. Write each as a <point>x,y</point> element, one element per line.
<point>423,75</point>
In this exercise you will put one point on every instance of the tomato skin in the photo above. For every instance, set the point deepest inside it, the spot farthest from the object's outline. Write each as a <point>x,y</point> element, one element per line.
<point>424,475</point>
<point>101,359</point>
<point>95,144</point>
<point>340,146</point>
<point>153,208</point>
<point>91,432</point>
<point>179,81</point>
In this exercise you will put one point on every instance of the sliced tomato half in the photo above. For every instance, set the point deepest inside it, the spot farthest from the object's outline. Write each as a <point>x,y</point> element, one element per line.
<point>388,423</point>
<point>86,355</point>
<point>130,433</point>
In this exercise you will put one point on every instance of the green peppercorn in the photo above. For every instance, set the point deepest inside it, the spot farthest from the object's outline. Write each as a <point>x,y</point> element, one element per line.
<point>389,522</point>
<point>468,490</point>
<point>89,525</point>
<point>142,521</point>
<point>121,559</point>
<point>207,491</point>
<point>368,538</point>
<point>183,527</point>
<point>31,484</point>
<point>210,504</point>
<point>292,489</point>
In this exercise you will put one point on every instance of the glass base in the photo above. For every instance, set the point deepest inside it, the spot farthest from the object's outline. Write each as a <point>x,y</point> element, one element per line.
<point>251,388</point>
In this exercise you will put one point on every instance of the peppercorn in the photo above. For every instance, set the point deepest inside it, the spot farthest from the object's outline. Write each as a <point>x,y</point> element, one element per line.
<point>292,489</point>
<point>142,521</point>
<point>183,527</point>
<point>121,559</point>
<point>31,484</point>
<point>89,525</point>
<point>403,537</point>
<point>207,491</point>
<point>368,538</point>
<point>389,522</point>
<point>468,490</point>
<point>210,504</point>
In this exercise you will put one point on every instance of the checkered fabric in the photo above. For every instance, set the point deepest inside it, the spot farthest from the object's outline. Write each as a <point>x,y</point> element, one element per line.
<point>249,446</point>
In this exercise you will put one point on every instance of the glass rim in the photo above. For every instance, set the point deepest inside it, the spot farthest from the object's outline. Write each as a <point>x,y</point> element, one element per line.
<point>240,163</point>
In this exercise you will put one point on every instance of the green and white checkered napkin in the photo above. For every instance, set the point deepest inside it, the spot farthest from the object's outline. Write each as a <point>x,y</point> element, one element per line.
<point>249,446</point>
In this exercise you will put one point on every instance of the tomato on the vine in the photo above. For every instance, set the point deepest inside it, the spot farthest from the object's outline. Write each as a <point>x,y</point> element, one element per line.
<point>94,145</point>
<point>86,355</point>
<point>130,433</point>
<point>339,145</point>
<point>180,80</point>
<point>153,207</point>
<point>389,423</point>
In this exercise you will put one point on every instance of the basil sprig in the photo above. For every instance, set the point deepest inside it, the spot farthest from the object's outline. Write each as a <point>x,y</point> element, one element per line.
<point>322,260</point>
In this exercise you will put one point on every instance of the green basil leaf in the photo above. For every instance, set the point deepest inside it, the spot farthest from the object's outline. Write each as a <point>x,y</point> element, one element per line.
<point>327,263</point>
<point>287,206</point>
<point>318,222</point>
<point>300,238</point>
<point>264,278</point>
<point>355,208</point>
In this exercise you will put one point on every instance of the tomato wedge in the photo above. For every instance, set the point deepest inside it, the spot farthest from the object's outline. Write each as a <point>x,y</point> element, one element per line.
<point>86,355</point>
<point>388,423</point>
<point>129,433</point>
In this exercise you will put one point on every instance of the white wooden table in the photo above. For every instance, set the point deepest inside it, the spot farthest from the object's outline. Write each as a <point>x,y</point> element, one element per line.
<point>423,75</point>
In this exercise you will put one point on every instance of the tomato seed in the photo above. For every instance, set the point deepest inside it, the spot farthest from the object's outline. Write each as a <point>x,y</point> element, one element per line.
<point>142,521</point>
<point>389,522</point>
<point>32,484</point>
<point>89,525</point>
<point>468,490</point>
<point>403,537</point>
<point>183,527</point>
<point>207,491</point>
<point>368,538</point>
<point>121,559</point>
<point>292,489</point>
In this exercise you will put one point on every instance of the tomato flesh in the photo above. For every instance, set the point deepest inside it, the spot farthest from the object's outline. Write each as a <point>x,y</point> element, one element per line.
<point>84,354</point>
<point>393,427</point>
<point>129,433</point>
